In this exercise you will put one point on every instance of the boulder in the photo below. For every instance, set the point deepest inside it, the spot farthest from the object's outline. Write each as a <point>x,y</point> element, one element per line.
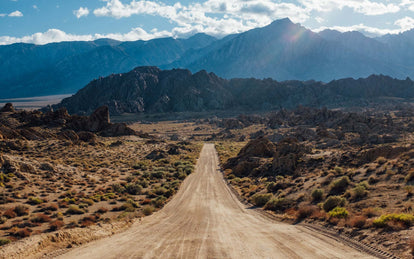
<point>260,147</point>
<point>99,119</point>
<point>87,137</point>
<point>8,107</point>
<point>156,155</point>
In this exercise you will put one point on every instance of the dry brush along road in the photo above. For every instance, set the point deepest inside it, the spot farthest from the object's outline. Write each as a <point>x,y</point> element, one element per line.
<point>206,220</point>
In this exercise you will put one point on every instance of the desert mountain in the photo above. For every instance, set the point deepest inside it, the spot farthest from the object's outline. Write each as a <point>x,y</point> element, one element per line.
<point>150,89</point>
<point>282,51</point>
<point>31,70</point>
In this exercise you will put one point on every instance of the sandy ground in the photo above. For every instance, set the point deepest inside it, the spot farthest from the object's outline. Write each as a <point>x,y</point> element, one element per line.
<point>206,220</point>
<point>33,103</point>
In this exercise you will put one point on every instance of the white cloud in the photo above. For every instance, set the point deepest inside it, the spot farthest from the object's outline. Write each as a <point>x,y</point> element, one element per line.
<point>16,14</point>
<point>218,17</point>
<point>55,35</point>
<point>3,14</point>
<point>35,7</point>
<point>365,7</point>
<point>406,23</point>
<point>82,11</point>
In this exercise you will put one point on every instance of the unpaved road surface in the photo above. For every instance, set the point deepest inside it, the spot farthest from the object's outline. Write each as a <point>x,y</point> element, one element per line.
<point>206,220</point>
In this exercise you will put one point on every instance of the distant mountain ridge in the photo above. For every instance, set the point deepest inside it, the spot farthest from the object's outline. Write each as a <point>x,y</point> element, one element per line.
<point>282,51</point>
<point>152,90</point>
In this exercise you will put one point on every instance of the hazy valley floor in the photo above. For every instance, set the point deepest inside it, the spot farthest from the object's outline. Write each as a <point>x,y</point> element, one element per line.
<point>205,220</point>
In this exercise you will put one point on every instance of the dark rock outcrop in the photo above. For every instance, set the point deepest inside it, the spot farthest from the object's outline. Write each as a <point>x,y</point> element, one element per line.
<point>8,107</point>
<point>151,90</point>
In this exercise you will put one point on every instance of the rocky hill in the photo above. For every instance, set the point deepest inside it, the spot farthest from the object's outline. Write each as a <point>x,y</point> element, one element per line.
<point>149,89</point>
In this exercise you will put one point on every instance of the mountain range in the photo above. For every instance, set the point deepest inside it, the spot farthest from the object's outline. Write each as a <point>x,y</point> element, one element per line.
<point>152,90</point>
<point>281,51</point>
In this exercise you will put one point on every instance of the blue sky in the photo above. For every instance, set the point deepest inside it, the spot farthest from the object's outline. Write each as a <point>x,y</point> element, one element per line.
<point>44,21</point>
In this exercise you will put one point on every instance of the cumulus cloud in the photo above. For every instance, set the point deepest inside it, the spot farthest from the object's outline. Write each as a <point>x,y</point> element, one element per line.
<point>218,17</point>
<point>16,13</point>
<point>82,11</point>
<point>406,23</point>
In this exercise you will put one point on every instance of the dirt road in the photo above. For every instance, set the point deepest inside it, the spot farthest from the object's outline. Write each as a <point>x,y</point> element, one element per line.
<point>206,220</point>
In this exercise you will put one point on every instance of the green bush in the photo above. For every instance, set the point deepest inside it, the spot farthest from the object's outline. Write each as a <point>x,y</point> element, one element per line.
<point>280,204</point>
<point>34,201</point>
<point>406,219</point>
<point>333,201</point>
<point>338,212</point>
<point>159,201</point>
<point>317,194</point>
<point>261,199</point>
<point>118,188</point>
<point>133,188</point>
<point>74,209</point>
<point>340,185</point>
<point>148,210</point>
<point>157,175</point>
<point>359,192</point>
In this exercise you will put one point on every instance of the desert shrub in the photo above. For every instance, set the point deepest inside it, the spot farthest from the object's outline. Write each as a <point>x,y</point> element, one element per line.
<point>317,194</point>
<point>102,210</point>
<point>370,212</point>
<point>306,211</point>
<point>148,210</point>
<point>21,210</point>
<point>118,188</point>
<point>384,220</point>
<point>372,179</point>
<point>34,201</point>
<point>338,170</point>
<point>90,202</point>
<point>160,190</point>
<point>340,185</point>
<point>128,207</point>
<point>74,209</point>
<point>261,199</point>
<point>410,177</point>
<point>360,191</point>
<point>10,213</point>
<point>55,225</point>
<point>333,201</point>
<point>51,207</point>
<point>338,212</point>
<point>25,232</point>
<point>40,218</point>
<point>381,160</point>
<point>358,221</point>
<point>4,241</point>
<point>157,175</point>
<point>88,221</point>
<point>142,165</point>
<point>159,201</point>
<point>279,204</point>
<point>409,189</point>
<point>133,188</point>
